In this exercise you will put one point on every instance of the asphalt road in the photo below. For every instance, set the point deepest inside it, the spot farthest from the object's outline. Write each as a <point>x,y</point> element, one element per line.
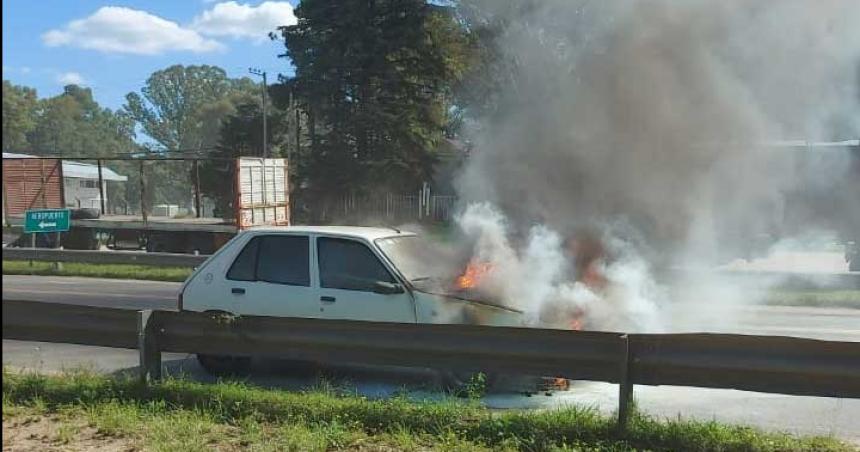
<point>809,415</point>
<point>92,292</point>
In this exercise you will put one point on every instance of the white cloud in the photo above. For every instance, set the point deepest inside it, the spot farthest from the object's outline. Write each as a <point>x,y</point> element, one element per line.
<point>241,20</point>
<point>25,70</point>
<point>70,78</point>
<point>116,29</point>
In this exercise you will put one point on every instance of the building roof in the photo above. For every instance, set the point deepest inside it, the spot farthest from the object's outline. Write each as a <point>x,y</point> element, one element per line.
<point>77,169</point>
<point>367,233</point>
<point>90,171</point>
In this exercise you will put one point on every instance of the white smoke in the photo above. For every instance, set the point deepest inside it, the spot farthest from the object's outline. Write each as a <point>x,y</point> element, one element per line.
<point>652,113</point>
<point>536,277</point>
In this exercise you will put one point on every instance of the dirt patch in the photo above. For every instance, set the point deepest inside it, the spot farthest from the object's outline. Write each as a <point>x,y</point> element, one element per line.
<point>32,433</point>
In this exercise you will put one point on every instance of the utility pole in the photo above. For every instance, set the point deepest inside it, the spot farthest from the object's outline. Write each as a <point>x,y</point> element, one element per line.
<point>265,110</point>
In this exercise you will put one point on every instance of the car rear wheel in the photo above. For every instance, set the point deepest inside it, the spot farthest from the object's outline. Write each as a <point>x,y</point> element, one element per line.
<point>224,366</point>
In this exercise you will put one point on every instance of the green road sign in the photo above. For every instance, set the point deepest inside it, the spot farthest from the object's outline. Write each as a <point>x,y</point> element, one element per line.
<point>47,220</point>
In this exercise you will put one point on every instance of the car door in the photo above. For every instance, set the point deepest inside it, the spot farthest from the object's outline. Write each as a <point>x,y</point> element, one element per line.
<point>350,275</point>
<point>271,277</point>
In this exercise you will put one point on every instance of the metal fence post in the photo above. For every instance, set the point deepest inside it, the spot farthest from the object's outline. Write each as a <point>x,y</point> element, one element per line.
<point>198,213</point>
<point>101,188</point>
<point>143,200</point>
<point>625,386</point>
<point>147,344</point>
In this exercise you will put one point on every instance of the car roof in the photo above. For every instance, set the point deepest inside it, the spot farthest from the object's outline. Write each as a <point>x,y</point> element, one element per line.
<point>367,233</point>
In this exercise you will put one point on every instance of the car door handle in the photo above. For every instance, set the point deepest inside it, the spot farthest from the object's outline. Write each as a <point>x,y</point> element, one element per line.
<point>328,299</point>
<point>238,291</point>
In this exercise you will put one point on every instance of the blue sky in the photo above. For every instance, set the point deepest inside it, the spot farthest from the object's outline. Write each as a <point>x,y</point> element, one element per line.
<point>113,46</point>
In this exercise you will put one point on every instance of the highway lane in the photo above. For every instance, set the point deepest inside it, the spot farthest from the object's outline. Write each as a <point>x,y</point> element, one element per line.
<point>771,411</point>
<point>118,293</point>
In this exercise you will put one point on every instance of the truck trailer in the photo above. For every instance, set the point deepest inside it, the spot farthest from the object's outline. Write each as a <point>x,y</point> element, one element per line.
<point>257,191</point>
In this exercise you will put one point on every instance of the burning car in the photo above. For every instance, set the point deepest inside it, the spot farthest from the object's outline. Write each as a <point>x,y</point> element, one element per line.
<point>331,272</point>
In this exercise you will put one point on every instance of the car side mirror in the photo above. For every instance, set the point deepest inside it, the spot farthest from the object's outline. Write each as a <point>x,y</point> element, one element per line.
<point>387,288</point>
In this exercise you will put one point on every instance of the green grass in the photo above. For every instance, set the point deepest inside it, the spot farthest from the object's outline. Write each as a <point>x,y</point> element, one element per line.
<point>114,271</point>
<point>178,414</point>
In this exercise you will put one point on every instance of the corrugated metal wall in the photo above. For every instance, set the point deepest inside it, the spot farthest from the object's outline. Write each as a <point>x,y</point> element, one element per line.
<point>31,184</point>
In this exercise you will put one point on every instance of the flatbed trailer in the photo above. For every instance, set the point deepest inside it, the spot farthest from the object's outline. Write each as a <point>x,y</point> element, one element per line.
<point>260,197</point>
<point>157,234</point>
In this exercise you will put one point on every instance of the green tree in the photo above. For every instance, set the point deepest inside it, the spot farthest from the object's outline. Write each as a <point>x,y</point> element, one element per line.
<point>170,106</point>
<point>73,124</point>
<point>182,108</point>
<point>375,79</point>
<point>19,116</point>
<point>240,135</point>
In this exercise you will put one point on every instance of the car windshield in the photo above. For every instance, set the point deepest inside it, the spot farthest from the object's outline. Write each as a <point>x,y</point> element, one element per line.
<point>415,257</point>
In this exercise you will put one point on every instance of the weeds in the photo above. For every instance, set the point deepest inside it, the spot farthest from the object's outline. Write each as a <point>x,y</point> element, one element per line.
<point>111,271</point>
<point>179,414</point>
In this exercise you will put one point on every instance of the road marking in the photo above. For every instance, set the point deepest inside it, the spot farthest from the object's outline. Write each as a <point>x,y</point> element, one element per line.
<point>99,294</point>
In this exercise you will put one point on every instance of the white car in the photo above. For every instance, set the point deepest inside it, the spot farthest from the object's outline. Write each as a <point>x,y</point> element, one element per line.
<point>328,272</point>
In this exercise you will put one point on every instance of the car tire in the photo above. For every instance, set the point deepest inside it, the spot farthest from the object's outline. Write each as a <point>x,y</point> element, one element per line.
<point>457,382</point>
<point>225,366</point>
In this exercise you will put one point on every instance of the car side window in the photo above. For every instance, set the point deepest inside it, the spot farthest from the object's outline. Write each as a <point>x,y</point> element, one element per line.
<point>244,267</point>
<point>283,259</point>
<point>350,265</point>
<point>280,259</point>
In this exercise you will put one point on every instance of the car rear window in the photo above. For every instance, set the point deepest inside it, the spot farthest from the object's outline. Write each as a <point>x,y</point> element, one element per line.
<point>350,265</point>
<point>244,267</point>
<point>280,259</point>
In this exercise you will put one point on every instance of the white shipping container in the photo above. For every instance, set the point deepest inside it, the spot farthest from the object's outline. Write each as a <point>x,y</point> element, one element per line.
<point>263,192</point>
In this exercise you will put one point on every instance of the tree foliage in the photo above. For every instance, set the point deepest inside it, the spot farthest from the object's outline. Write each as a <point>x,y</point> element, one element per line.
<point>374,78</point>
<point>69,124</point>
<point>73,124</point>
<point>178,106</point>
<point>240,135</point>
<point>183,109</point>
<point>19,116</point>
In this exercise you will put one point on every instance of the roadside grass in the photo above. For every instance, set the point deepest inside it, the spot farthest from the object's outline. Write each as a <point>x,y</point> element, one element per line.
<point>112,271</point>
<point>178,414</point>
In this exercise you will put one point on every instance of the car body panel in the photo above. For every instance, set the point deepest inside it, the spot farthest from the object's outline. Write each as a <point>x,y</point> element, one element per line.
<point>208,288</point>
<point>443,309</point>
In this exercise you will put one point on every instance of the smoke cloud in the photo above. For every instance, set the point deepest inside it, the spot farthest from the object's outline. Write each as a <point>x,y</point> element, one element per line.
<point>649,121</point>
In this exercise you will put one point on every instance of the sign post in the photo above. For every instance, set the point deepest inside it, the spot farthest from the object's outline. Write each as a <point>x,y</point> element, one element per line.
<point>43,221</point>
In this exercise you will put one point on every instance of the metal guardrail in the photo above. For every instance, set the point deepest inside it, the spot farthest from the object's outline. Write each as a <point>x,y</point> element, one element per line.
<point>757,363</point>
<point>70,324</point>
<point>784,365</point>
<point>104,257</point>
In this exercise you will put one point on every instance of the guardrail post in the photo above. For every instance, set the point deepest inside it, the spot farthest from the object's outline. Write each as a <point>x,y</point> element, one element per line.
<point>625,386</point>
<point>147,344</point>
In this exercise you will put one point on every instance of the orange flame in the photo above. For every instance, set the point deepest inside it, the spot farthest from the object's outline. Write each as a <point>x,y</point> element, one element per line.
<point>473,275</point>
